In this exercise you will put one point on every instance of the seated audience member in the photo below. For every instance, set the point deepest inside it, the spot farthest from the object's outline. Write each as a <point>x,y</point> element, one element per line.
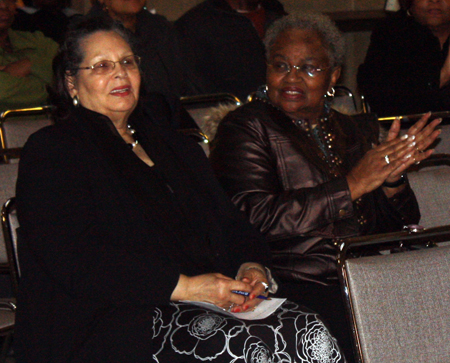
<point>222,43</point>
<point>122,220</point>
<point>25,63</point>
<point>407,66</point>
<point>52,17</point>
<point>162,65</point>
<point>305,174</point>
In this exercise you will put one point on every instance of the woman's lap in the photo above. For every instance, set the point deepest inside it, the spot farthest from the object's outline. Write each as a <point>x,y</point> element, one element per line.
<point>187,333</point>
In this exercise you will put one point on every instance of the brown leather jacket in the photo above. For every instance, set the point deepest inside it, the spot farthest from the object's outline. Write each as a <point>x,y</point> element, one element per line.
<point>275,174</point>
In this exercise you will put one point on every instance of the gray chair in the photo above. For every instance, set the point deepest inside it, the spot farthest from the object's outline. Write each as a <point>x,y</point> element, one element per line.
<point>441,145</point>
<point>431,183</point>
<point>17,125</point>
<point>398,302</point>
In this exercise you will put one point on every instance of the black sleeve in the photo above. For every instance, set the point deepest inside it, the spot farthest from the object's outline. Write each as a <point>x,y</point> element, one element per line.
<point>87,245</point>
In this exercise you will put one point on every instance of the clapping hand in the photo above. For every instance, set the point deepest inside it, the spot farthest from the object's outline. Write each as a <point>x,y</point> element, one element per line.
<point>389,160</point>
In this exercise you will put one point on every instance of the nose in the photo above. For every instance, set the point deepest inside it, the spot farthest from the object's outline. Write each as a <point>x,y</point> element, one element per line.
<point>294,75</point>
<point>120,70</point>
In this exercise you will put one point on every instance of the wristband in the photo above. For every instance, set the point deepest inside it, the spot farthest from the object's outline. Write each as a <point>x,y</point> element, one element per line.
<point>397,183</point>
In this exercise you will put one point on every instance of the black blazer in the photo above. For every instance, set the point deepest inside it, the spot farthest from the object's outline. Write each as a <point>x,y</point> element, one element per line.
<point>99,249</point>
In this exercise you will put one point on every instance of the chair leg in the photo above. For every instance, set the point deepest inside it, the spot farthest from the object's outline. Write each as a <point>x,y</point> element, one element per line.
<point>6,347</point>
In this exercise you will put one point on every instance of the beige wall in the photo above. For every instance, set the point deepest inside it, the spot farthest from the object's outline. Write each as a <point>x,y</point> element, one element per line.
<point>357,42</point>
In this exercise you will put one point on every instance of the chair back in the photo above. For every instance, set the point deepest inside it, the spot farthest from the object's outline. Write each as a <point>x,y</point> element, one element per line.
<point>344,100</point>
<point>431,184</point>
<point>17,125</point>
<point>205,109</point>
<point>398,302</point>
<point>441,145</point>
<point>10,224</point>
<point>8,177</point>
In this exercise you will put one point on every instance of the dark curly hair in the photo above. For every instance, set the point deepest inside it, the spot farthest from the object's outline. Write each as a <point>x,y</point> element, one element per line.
<point>70,55</point>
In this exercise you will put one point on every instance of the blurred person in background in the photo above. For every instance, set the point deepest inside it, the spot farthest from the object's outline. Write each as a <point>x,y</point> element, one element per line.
<point>25,63</point>
<point>407,66</point>
<point>222,43</point>
<point>155,37</point>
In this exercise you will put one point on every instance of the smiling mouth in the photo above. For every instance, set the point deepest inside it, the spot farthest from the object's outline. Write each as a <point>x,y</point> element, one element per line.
<point>121,90</point>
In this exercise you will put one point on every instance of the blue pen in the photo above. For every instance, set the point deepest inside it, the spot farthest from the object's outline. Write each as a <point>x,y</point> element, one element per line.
<point>244,293</point>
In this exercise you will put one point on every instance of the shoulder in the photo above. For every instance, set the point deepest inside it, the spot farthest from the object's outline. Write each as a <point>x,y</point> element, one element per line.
<point>155,20</point>
<point>199,14</point>
<point>33,40</point>
<point>251,121</point>
<point>251,110</point>
<point>396,25</point>
<point>274,6</point>
<point>51,140</point>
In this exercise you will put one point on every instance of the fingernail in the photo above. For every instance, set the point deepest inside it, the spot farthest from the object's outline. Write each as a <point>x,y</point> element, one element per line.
<point>245,307</point>
<point>236,310</point>
<point>404,137</point>
<point>408,156</point>
<point>412,137</point>
<point>412,144</point>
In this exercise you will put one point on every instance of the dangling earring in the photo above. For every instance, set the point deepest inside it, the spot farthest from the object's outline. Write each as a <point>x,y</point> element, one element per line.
<point>76,101</point>
<point>331,93</point>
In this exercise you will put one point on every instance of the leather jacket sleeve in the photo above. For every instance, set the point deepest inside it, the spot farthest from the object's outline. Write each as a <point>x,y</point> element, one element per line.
<point>255,168</point>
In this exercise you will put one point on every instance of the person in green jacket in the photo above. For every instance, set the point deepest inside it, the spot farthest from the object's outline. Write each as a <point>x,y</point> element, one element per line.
<point>25,63</point>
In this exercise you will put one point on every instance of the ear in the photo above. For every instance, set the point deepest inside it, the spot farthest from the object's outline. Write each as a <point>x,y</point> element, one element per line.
<point>71,85</point>
<point>335,76</point>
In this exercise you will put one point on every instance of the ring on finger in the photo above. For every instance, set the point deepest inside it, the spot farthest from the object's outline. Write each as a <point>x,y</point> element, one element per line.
<point>386,158</point>
<point>266,286</point>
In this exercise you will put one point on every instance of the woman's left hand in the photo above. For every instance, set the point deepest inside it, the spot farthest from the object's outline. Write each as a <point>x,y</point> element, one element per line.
<point>255,275</point>
<point>424,135</point>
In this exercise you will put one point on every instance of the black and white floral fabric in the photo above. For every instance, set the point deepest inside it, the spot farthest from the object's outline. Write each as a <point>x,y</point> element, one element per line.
<point>186,333</point>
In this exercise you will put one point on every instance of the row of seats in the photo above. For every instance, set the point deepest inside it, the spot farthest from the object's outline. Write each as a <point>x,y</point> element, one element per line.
<point>381,310</point>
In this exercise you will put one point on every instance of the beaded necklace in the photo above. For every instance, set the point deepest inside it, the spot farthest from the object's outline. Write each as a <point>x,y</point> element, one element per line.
<point>322,133</point>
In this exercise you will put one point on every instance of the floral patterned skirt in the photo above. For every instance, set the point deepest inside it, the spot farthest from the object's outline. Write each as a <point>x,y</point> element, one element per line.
<point>187,333</point>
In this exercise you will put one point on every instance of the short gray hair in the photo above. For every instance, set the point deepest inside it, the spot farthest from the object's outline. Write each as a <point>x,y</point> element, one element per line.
<point>321,24</point>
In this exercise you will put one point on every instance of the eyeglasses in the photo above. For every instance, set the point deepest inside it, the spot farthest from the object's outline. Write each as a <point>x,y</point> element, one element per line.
<point>308,69</point>
<point>130,62</point>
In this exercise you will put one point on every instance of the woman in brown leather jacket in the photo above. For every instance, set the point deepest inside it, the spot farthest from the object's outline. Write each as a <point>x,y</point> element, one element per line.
<point>305,174</point>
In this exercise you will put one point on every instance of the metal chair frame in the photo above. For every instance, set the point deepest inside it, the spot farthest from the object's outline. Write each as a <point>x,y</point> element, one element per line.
<point>399,241</point>
<point>44,110</point>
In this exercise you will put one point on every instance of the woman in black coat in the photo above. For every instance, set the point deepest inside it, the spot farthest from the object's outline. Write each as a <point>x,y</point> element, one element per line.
<point>121,220</point>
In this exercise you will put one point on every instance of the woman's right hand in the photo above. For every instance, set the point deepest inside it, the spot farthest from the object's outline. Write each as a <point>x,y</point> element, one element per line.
<point>213,288</point>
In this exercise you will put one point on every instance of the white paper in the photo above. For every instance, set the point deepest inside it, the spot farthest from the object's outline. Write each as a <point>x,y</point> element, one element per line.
<point>263,310</point>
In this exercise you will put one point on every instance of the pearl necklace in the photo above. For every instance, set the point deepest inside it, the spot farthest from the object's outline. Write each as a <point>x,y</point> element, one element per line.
<point>132,131</point>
